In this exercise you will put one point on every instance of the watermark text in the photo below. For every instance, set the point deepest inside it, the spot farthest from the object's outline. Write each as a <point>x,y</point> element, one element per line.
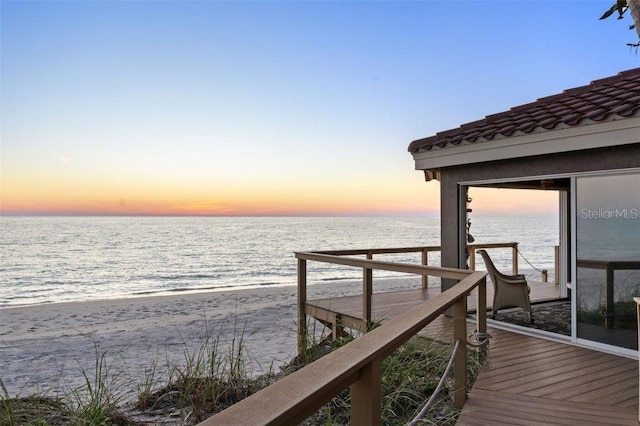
<point>601,213</point>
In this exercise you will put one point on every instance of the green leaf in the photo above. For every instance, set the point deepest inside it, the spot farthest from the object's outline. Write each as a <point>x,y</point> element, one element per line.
<point>609,12</point>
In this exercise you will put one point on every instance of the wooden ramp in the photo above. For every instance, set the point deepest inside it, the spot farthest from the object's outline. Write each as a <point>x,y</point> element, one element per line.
<point>530,381</point>
<point>347,310</point>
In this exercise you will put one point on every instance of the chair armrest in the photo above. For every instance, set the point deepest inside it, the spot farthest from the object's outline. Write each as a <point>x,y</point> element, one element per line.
<point>513,281</point>
<point>510,277</point>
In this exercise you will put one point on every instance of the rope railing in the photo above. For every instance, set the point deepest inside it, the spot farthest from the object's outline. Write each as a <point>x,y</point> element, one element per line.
<point>516,253</point>
<point>481,341</point>
<point>438,389</point>
<point>527,260</point>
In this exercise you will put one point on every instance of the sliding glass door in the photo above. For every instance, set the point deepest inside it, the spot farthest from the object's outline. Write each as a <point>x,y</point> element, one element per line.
<point>607,258</point>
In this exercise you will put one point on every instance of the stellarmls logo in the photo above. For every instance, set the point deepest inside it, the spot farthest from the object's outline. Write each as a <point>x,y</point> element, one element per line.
<point>610,213</point>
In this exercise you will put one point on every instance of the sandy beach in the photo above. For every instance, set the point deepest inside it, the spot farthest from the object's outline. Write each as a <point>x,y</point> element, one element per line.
<point>46,347</point>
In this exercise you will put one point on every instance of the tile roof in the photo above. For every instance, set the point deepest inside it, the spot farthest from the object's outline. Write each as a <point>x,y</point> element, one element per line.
<point>607,99</point>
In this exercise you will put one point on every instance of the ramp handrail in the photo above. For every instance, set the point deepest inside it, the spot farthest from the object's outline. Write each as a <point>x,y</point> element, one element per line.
<point>358,364</point>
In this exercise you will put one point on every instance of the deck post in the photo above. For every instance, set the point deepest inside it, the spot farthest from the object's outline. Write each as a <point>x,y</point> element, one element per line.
<point>481,316</point>
<point>367,290</point>
<point>514,258</point>
<point>366,400</point>
<point>425,262</point>
<point>472,258</point>
<point>460,360</point>
<point>302,300</point>
<point>610,309</point>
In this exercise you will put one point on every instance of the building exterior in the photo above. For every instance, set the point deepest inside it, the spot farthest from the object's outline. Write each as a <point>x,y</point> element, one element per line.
<point>584,144</point>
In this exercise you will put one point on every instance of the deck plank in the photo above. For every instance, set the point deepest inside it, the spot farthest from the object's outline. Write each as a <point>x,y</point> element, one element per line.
<point>577,386</point>
<point>503,406</point>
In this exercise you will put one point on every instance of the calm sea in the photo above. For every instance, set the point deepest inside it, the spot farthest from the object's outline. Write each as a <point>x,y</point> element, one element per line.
<point>56,259</point>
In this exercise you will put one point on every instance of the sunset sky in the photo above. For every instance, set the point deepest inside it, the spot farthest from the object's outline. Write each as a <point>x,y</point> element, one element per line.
<point>271,108</point>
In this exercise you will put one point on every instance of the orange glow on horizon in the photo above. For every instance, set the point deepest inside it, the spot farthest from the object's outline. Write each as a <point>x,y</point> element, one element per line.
<point>250,209</point>
<point>60,196</point>
<point>496,201</point>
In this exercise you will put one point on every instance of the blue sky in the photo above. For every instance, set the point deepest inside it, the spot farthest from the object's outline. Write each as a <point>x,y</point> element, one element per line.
<point>268,107</point>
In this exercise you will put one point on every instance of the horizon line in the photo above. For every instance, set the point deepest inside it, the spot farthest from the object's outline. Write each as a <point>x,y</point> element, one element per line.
<point>429,215</point>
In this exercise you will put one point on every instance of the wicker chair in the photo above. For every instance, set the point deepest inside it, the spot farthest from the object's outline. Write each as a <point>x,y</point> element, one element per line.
<point>508,290</point>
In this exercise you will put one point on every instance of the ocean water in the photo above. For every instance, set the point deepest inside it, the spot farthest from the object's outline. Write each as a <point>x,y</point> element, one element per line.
<point>61,259</point>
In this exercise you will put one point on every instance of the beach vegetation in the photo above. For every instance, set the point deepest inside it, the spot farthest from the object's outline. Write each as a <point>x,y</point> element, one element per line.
<point>409,377</point>
<point>96,402</point>
<point>314,343</point>
<point>212,377</point>
<point>151,379</point>
<point>34,410</point>
<point>621,7</point>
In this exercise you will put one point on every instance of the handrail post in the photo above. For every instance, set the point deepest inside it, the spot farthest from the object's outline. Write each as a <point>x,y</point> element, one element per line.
<point>481,316</point>
<point>514,257</point>
<point>425,262</point>
<point>302,300</point>
<point>460,359</point>
<point>366,399</point>
<point>367,290</point>
<point>472,258</point>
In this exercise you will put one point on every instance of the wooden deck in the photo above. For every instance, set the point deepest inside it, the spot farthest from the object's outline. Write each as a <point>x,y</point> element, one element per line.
<point>388,305</point>
<point>530,381</point>
<point>527,380</point>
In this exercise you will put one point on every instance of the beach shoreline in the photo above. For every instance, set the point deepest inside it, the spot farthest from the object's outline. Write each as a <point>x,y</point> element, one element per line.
<point>47,347</point>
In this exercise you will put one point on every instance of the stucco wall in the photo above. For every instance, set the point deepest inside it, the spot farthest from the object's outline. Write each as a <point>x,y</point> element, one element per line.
<point>624,157</point>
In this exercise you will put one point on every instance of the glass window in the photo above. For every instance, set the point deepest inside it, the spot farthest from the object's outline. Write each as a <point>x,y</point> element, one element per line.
<point>608,258</point>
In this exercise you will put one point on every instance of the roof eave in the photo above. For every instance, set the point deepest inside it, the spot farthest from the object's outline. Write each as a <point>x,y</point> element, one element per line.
<point>596,135</point>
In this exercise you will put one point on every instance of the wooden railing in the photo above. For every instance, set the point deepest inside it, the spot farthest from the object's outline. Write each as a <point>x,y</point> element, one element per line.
<point>336,257</point>
<point>471,249</point>
<point>358,364</point>
<point>339,257</point>
<point>425,250</point>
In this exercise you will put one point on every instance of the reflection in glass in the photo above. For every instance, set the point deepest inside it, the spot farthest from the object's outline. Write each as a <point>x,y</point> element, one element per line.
<point>608,258</point>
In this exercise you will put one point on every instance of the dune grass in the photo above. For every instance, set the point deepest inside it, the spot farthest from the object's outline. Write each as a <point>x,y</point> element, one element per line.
<point>96,402</point>
<point>211,377</point>
<point>409,377</point>
<point>209,380</point>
